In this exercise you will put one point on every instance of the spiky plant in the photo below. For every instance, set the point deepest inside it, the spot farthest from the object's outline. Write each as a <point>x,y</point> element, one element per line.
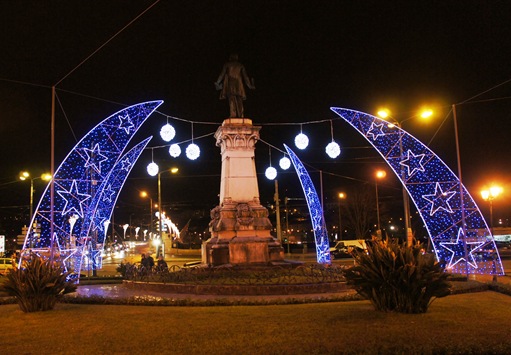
<point>395,277</point>
<point>38,284</point>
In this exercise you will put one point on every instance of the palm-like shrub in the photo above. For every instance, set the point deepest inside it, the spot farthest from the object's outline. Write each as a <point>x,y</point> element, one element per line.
<point>38,285</point>
<point>395,277</point>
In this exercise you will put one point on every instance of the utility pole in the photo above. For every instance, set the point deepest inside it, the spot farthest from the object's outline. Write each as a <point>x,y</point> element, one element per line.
<point>277,212</point>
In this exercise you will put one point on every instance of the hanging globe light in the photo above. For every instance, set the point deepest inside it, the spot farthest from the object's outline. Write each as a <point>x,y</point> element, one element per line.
<point>167,133</point>
<point>270,173</point>
<point>174,150</point>
<point>284,163</point>
<point>301,141</point>
<point>152,169</point>
<point>192,151</point>
<point>333,150</point>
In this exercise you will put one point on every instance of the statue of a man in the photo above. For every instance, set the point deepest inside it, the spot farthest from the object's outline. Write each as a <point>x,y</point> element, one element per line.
<point>230,81</point>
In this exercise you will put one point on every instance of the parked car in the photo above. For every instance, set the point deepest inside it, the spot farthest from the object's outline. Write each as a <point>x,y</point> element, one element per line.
<point>5,265</point>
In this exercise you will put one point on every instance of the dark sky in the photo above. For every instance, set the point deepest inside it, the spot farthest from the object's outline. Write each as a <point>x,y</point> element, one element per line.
<point>305,56</point>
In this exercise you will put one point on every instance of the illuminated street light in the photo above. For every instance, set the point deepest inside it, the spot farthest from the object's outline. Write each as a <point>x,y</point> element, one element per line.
<point>380,174</point>
<point>173,170</point>
<point>489,195</point>
<point>144,194</point>
<point>24,175</point>
<point>342,196</point>
<point>385,113</point>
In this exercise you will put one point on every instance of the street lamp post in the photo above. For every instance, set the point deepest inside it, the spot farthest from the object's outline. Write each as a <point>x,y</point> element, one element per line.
<point>380,174</point>
<point>144,194</point>
<point>160,212</point>
<point>424,114</point>
<point>489,195</point>
<point>342,196</point>
<point>26,175</point>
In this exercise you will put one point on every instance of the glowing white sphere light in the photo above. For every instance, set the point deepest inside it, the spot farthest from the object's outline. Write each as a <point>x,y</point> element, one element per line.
<point>270,173</point>
<point>192,151</point>
<point>174,150</point>
<point>167,133</point>
<point>284,163</point>
<point>152,169</point>
<point>301,141</point>
<point>333,150</point>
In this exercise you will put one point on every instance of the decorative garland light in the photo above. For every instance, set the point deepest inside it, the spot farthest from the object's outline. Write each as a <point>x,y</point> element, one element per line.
<point>301,140</point>
<point>284,163</point>
<point>333,150</point>
<point>167,132</point>
<point>174,150</point>
<point>192,151</point>
<point>270,173</point>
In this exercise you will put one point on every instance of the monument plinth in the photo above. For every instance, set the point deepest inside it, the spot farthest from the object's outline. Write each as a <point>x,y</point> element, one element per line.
<point>240,228</point>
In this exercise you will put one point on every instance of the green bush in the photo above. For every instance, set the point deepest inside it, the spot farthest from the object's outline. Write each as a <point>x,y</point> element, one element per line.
<point>38,285</point>
<point>395,277</point>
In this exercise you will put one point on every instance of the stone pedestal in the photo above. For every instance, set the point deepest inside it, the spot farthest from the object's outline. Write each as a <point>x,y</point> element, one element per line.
<point>240,228</point>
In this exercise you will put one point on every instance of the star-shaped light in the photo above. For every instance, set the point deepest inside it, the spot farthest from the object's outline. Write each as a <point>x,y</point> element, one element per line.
<point>458,247</point>
<point>108,193</point>
<point>94,158</point>
<point>126,164</point>
<point>439,200</point>
<point>413,162</point>
<point>375,130</point>
<point>74,199</point>
<point>126,123</point>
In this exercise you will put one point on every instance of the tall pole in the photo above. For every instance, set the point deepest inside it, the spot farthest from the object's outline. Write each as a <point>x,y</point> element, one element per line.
<point>52,172</point>
<point>378,231</point>
<point>31,204</point>
<point>160,224</point>
<point>462,197</point>
<point>406,201</point>
<point>277,212</point>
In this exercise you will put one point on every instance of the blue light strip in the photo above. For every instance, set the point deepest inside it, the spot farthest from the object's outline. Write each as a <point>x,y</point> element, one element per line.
<point>80,179</point>
<point>315,210</point>
<point>435,191</point>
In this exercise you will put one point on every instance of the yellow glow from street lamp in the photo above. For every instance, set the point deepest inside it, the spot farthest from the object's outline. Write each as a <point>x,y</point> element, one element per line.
<point>24,175</point>
<point>383,113</point>
<point>380,174</point>
<point>485,194</point>
<point>174,170</point>
<point>342,195</point>
<point>46,177</point>
<point>426,113</point>
<point>491,193</point>
<point>495,191</point>
<point>143,194</point>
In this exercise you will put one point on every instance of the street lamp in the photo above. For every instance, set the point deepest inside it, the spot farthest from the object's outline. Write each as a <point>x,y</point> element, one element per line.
<point>380,174</point>
<point>424,114</point>
<point>342,196</point>
<point>173,170</point>
<point>144,194</point>
<point>489,195</point>
<point>24,175</point>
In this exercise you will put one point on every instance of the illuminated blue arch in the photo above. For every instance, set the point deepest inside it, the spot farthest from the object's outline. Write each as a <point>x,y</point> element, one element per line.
<point>80,181</point>
<point>456,227</point>
<point>315,210</point>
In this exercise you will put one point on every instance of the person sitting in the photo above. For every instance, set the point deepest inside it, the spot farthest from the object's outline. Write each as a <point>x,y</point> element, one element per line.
<point>161,265</point>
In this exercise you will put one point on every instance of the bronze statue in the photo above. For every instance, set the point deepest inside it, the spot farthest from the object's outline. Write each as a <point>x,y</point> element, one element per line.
<point>230,81</point>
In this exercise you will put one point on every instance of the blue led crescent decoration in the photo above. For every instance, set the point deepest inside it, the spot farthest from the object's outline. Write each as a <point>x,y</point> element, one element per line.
<point>86,179</point>
<point>456,227</point>
<point>315,210</point>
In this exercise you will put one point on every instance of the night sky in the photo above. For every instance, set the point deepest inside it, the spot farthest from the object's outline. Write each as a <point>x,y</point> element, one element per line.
<point>305,57</point>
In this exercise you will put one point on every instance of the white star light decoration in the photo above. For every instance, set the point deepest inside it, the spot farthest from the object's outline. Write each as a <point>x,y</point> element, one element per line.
<point>74,199</point>
<point>413,162</point>
<point>375,130</point>
<point>439,200</point>
<point>457,250</point>
<point>94,158</point>
<point>126,123</point>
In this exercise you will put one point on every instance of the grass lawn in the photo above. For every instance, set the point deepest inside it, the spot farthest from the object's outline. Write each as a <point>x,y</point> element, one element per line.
<point>466,323</point>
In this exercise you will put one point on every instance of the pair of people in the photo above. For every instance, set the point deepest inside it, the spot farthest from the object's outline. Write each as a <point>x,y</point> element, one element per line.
<point>148,262</point>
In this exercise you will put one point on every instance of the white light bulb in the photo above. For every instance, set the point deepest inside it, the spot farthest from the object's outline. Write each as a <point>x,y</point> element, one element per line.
<point>174,150</point>
<point>284,163</point>
<point>192,151</point>
<point>152,169</point>
<point>301,141</point>
<point>333,150</point>
<point>167,133</point>
<point>270,173</point>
